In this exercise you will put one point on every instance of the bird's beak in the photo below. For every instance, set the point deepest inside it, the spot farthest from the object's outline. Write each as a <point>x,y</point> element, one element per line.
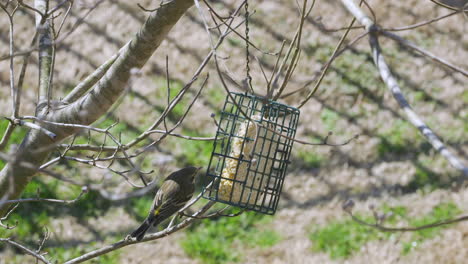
<point>199,168</point>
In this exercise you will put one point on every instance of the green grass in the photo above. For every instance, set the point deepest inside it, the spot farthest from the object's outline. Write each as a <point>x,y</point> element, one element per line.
<point>311,158</point>
<point>140,206</point>
<point>193,152</point>
<point>33,217</point>
<point>216,96</point>
<point>235,42</point>
<point>401,138</point>
<point>320,52</point>
<point>362,77</point>
<point>426,179</point>
<point>441,212</point>
<point>420,96</point>
<point>175,86</point>
<point>224,239</point>
<point>329,118</point>
<point>342,238</point>
<point>464,97</point>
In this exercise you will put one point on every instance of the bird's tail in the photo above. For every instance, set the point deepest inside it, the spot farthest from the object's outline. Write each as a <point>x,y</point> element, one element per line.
<point>139,233</point>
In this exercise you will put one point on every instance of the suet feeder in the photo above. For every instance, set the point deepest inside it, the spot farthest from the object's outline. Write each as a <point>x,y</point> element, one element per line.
<point>251,153</point>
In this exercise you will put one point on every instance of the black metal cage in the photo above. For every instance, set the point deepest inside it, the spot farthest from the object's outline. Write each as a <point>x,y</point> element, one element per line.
<point>251,153</point>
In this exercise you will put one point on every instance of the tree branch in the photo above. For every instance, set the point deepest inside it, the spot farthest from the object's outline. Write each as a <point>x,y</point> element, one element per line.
<point>94,104</point>
<point>394,88</point>
<point>128,241</point>
<point>90,81</point>
<point>28,251</point>
<point>433,57</point>
<point>45,50</point>
<point>84,190</point>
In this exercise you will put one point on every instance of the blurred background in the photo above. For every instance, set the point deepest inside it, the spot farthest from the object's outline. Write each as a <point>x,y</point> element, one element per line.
<point>391,167</point>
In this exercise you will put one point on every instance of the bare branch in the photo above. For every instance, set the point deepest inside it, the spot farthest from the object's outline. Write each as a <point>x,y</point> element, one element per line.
<point>55,42</point>
<point>128,241</point>
<point>20,122</point>
<point>420,24</point>
<point>113,148</point>
<point>412,116</point>
<point>26,250</point>
<point>6,135</point>
<point>34,9</point>
<point>44,239</point>
<point>296,43</point>
<point>7,226</point>
<point>328,64</point>
<point>394,88</point>
<point>378,222</point>
<point>91,80</point>
<point>443,5</point>
<point>24,67</point>
<point>14,95</point>
<point>84,190</point>
<point>212,11</point>
<point>413,46</point>
<point>173,103</point>
<point>63,20</point>
<point>124,196</point>
<point>45,51</point>
<point>57,7</point>
<point>151,10</point>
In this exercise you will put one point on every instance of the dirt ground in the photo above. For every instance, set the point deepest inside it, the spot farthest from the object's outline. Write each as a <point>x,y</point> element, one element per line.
<point>352,100</point>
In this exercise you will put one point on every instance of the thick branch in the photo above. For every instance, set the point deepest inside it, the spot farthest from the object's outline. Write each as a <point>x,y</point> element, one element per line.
<point>91,80</point>
<point>394,88</point>
<point>45,50</point>
<point>411,115</point>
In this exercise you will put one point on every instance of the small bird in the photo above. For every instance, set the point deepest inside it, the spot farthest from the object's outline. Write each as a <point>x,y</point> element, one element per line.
<point>174,193</point>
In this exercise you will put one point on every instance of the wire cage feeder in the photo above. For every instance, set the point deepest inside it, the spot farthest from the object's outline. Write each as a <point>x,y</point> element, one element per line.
<point>251,155</point>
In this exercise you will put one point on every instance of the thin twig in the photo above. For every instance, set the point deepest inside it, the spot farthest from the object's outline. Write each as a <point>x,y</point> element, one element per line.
<point>7,226</point>
<point>327,65</point>
<point>25,249</point>
<point>6,135</point>
<point>73,28</point>
<point>407,229</point>
<point>84,190</point>
<point>13,91</point>
<point>433,57</point>
<point>129,241</point>
<point>420,24</point>
<point>443,5</point>
<point>19,122</point>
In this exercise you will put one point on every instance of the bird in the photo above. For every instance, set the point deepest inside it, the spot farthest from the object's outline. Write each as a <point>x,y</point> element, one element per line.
<point>176,190</point>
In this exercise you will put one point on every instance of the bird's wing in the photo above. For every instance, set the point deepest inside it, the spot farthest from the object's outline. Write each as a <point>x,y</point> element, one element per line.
<point>165,198</point>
